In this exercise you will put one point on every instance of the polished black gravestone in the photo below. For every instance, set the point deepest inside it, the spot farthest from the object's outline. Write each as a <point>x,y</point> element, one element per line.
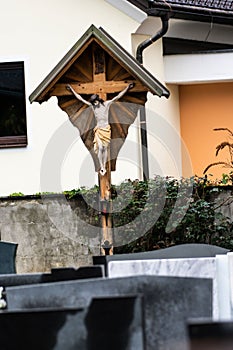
<point>209,335</point>
<point>108,323</point>
<point>7,257</point>
<point>65,274</point>
<point>116,324</point>
<point>168,302</point>
<point>58,274</point>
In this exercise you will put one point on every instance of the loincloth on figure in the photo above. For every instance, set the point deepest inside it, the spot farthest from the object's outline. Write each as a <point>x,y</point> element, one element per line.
<point>102,135</point>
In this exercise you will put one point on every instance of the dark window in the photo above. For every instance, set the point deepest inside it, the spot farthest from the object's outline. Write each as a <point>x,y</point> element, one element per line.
<point>13,128</point>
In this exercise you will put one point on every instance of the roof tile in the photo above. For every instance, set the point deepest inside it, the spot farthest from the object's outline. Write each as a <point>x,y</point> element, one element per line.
<point>212,4</point>
<point>219,11</point>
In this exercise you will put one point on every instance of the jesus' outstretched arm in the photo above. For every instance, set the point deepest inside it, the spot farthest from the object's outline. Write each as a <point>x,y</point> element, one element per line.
<point>79,97</point>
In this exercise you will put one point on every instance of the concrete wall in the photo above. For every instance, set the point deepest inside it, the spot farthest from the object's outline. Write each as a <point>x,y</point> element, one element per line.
<point>50,232</point>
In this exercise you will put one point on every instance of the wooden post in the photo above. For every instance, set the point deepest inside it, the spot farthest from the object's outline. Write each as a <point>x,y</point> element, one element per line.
<point>106,209</point>
<point>99,76</point>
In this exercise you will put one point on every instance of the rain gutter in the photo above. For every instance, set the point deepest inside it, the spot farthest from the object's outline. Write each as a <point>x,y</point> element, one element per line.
<point>139,56</point>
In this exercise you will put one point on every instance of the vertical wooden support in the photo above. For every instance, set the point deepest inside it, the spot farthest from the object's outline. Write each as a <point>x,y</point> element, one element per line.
<point>99,75</point>
<point>106,209</point>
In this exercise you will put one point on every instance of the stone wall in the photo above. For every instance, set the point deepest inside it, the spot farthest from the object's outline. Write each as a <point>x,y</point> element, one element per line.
<point>50,231</point>
<point>223,198</point>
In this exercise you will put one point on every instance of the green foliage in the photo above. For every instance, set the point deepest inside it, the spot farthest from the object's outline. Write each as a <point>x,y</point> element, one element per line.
<point>148,206</point>
<point>227,179</point>
<point>160,212</point>
<point>16,194</point>
<point>196,219</point>
<point>82,191</point>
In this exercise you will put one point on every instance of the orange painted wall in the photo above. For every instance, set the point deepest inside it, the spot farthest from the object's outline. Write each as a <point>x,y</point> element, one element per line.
<point>204,107</point>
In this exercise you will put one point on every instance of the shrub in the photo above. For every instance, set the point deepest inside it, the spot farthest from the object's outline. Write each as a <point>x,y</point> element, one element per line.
<point>196,219</point>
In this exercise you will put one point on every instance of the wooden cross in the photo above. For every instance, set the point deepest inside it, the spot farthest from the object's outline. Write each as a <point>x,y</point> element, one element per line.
<point>98,65</point>
<point>102,87</point>
<point>103,76</point>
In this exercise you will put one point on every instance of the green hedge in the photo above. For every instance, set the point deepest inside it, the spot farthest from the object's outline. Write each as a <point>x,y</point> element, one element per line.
<point>161,212</point>
<point>178,212</point>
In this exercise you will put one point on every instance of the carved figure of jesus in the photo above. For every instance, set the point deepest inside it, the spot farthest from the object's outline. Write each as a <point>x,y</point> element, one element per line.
<point>102,131</point>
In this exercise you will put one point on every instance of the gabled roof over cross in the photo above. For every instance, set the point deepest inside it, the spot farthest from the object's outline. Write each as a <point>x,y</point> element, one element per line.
<point>73,68</point>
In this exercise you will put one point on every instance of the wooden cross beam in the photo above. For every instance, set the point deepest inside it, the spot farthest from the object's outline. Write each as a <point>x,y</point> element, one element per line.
<point>102,88</point>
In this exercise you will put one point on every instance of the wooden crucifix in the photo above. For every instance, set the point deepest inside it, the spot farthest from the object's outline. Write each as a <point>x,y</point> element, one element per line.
<point>98,65</point>
<point>100,106</point>
<point>101,142</point>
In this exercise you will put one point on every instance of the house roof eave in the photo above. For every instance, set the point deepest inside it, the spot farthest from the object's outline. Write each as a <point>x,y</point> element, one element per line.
<point>185,11</point>
<point>136,68</point>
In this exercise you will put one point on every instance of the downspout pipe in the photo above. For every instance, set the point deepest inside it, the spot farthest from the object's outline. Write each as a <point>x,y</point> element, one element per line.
<point>139,57</point>
<point>141,47</point>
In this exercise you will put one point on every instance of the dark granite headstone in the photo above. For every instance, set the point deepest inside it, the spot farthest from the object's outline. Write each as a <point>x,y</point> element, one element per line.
<point>168,302</point>
<point>65,274</point>
<point>42,329</point>
<point>7,257</point>
<point>115,323</point>
<point>209,335</point>
<point>59,274</point>
<point>112,323</point>
<point>20,279</point>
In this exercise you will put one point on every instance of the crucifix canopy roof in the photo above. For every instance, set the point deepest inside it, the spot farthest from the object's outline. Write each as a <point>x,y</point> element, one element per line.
<point>76,60</point>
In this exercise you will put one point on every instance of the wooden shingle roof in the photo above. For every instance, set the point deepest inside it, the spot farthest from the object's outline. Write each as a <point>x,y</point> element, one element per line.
<point>218,11</point>
<point>47,87</point>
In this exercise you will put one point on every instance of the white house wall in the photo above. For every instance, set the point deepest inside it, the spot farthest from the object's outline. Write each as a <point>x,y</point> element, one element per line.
<point>174,70</point>
<point>40,33</point>
<point>163,117</point>
<point>198,68</point>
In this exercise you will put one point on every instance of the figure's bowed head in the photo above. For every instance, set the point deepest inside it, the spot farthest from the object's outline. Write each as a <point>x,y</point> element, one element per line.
<point>95,100</point>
